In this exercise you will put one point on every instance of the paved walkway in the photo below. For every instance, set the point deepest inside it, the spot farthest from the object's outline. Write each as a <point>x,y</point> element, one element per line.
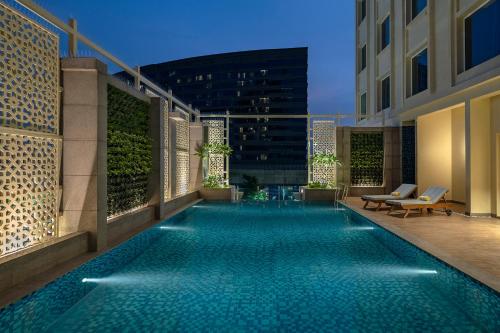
<point>470,244</point>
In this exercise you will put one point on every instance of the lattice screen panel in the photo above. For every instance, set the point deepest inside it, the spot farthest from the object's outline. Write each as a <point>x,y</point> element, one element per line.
<point>29,128</point>
<point>182,173</point>
<point>29,173</point>
<point>166,180</point>
<point>215,135</point>
<point>182,157</point>
<point>324,141</point>
<point>29,74</point>
<point>182,134</point>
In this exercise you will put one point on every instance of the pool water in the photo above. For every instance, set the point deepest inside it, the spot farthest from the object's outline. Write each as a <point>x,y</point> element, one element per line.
<point>261,267</point>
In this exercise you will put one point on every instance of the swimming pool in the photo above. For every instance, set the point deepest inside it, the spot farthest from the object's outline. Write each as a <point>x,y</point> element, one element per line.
<point>260,267</point>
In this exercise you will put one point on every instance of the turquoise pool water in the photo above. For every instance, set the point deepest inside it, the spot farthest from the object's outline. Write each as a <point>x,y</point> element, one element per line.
<point>269,267</point>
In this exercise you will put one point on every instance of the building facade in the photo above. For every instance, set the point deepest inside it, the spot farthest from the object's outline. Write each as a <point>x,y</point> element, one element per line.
<point>433,67</point>
<point>262,82</point>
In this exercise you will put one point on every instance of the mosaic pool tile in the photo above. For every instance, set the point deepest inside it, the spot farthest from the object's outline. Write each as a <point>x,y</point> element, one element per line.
<point>265,267</point>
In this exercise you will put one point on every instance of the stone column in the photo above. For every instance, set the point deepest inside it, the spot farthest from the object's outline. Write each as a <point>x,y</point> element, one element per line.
<point>156,180</point>
<point>84,129</point>
<point>478,157</point>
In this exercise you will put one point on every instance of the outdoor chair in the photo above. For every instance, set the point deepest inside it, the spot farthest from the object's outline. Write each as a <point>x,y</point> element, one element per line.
<point>402,192</point>
<point>432,198</point>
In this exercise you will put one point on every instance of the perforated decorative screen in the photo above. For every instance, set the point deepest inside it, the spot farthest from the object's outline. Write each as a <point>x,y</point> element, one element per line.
<point>182,157</point>
<point>166,180</point>
<point>182,172</point>
<point>29,74</point>
<point>324,141</point>
<point>215,129</point>
<point>29,173</point>
<point>29,128</point>
<point>182,135</point>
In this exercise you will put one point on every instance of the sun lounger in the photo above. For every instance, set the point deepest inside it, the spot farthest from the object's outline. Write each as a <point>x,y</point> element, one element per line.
<point>402,192</point>
<point>432,198</point>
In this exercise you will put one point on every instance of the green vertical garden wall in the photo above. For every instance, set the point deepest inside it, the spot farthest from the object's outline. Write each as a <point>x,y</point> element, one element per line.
<point>129,151</point>
<point>367,159</point>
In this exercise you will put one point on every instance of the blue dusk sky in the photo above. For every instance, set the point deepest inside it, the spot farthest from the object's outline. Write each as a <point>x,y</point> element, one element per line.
<point>152,31</point>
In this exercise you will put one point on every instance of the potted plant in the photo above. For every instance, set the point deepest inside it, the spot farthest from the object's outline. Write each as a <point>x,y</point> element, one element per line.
<point>215,187</point>
<point>252,189</point>
<point>321,190</point>
<point>207,149</point>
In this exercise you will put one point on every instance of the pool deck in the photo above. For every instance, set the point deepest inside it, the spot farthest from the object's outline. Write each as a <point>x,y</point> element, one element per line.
<point>470,244</point>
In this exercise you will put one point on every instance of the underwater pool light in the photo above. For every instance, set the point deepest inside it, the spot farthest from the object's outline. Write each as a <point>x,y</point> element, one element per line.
<point>176,228</point>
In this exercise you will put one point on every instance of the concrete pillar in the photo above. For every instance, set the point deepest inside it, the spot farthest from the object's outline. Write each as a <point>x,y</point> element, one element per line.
<point>478,157</point>
<point>84,129</point>
<point>495,155</point>
<point>195,141</point>
<point>392,158</point>
<point>156,181</point>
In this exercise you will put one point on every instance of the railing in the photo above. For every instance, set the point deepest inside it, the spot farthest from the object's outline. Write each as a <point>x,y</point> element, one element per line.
<point>320,136</point>
<point>75,37</point>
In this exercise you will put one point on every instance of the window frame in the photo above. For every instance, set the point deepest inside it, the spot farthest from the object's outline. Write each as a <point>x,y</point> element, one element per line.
<point>362,58</point>
<point>361,104</point>
<point>361,11</point>
<point>381,93</point>
<point>412,14</point>
<point>380,32</point>
<point>416,54</point>
<point>464,38</point>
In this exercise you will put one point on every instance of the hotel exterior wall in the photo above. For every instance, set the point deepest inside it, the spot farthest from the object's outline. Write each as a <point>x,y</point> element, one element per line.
<point>434,163</point>
<point>437,28</point>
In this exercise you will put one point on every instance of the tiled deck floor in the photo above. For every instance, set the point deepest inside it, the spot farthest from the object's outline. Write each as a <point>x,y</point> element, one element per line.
<point>470,244</point>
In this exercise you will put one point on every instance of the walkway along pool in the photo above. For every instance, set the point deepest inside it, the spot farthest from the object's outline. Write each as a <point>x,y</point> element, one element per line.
<point>263,266</point>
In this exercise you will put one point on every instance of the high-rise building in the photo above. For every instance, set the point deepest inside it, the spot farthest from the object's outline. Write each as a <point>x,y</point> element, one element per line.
<point>262,82</point>
<point>434,68</point>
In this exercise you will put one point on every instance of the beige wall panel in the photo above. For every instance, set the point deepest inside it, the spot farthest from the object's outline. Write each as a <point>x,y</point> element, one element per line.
<point>480,156</point>
<point>362,83</point>
<point>384,62</point>
<point>383,8</point>
<point>362,33</point>
<point>458,153</point>
<point>417,32</point>
<point>495,154</point>
<point>434,156</point>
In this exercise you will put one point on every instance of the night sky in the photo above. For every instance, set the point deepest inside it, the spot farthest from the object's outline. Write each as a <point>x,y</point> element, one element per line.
<point>151,31</point>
